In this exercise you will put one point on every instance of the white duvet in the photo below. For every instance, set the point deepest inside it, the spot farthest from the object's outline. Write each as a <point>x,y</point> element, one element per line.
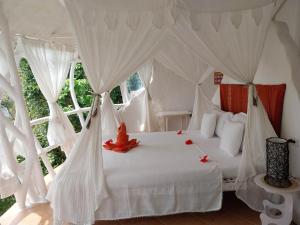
<point>161,176</point>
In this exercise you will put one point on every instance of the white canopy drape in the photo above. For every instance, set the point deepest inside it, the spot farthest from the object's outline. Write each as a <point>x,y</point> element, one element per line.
<point>146,73</point>
<point>184,61</point>
<point>112,44</point>
<point>124,92</point>
<point>232,42</point>
<point>110,121</point>
<point>50,64</point>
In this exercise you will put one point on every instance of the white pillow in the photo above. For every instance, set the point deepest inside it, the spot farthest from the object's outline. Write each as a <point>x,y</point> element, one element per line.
<point>240,117</point>
<point>224,116</point>
<point>232,137</point>
<point>208,124</point>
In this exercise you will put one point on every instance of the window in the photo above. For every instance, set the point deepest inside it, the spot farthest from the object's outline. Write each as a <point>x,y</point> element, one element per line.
<point>134,83</point>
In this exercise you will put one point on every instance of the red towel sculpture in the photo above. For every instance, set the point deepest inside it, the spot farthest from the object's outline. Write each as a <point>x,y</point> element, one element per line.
<point>123,144</point>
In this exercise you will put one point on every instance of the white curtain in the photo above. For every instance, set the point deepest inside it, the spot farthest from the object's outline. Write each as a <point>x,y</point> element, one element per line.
<point>184,61</point>
<point>232,42</point>
<point>124,92</point>
<point>146,73</point>
<point>110,121</point>
<point>9,180</point>
<point>112,44</point>
<point>50,64</point>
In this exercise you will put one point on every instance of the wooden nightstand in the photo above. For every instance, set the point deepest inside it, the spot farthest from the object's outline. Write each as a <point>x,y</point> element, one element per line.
<point>282,213</point>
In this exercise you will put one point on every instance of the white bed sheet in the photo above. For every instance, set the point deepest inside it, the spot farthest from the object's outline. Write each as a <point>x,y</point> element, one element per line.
<point>161,176</point>
<point>210,146</point>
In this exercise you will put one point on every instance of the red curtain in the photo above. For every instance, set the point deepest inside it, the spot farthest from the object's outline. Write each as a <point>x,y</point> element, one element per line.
<point>234,99</point>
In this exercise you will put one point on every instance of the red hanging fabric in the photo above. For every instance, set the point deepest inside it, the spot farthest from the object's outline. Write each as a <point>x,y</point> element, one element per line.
<point>234,99</point>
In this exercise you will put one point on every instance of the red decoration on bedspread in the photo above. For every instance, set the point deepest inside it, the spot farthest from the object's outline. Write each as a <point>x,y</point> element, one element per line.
<point>188,142</point>
<point>204,159</point>
<point>123,144</point>
<point>234,98</point>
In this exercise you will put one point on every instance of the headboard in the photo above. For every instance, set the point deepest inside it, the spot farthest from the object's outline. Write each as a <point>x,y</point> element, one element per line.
<point>234,99</point>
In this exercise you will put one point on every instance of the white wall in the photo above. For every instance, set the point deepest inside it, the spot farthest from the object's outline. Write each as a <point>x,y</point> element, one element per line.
<point>277,67</point>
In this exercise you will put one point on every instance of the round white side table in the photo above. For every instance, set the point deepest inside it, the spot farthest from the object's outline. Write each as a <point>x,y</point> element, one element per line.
<point>282,213</point>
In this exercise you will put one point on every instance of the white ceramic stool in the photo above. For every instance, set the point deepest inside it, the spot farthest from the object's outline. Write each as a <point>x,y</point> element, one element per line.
<point>282,213</point>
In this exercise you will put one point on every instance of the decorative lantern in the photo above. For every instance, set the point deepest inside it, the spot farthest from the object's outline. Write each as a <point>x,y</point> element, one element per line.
<point>278,162</point>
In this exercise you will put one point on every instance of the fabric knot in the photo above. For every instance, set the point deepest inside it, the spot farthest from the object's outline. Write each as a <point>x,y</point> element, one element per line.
<point>94,108</point>
<point>255,97</point>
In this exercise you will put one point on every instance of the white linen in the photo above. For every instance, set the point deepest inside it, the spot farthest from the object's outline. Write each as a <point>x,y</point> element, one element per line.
<point>148,181</point>
<point>232,137</point>
<point>229,165</point>
<point>208,124</point>
<point>111,45</point>
<point>50,65</point>
<point>222,118</point>
<point>240,117</point>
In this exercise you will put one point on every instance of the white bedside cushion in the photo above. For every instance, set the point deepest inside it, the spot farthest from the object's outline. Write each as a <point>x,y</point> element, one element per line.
<point>208,124</point>
<point>224,116</point>
<point>232,137</point>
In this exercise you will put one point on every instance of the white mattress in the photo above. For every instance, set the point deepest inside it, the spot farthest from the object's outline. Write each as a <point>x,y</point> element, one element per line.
<point>164,176</point>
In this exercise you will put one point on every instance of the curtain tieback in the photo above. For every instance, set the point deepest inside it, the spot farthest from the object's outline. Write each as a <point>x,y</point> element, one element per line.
<point>255,97</point>
<point>94,108</point>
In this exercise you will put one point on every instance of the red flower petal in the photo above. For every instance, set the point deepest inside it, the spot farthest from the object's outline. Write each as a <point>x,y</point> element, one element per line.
<point>188,142</point>
<point>204,159</point>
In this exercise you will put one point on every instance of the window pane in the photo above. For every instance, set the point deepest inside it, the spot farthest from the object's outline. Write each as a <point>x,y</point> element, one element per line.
<point>134,83</point>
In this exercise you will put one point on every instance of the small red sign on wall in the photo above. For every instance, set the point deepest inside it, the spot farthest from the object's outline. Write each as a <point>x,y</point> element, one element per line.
<point>218,76</point>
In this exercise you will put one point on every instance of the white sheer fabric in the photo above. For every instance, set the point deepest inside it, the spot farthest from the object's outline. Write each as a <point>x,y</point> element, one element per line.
<point>110,121</point>
<point>50,66</point>
<point>180,58</point>
<point>232,42</point>
<point>202,104</point>
<point>112,44</point>
<point>124,92</point>
<point>146,75</point>
<point>138,114</point>
<point>9,181</point>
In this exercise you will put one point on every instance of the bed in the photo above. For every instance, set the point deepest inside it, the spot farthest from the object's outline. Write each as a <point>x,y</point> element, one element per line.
<point>164,176</point>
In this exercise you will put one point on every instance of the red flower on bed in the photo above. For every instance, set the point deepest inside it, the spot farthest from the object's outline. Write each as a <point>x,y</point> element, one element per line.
<point>188,142</point>
<point>204,159</point>
<point>179,132</point>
